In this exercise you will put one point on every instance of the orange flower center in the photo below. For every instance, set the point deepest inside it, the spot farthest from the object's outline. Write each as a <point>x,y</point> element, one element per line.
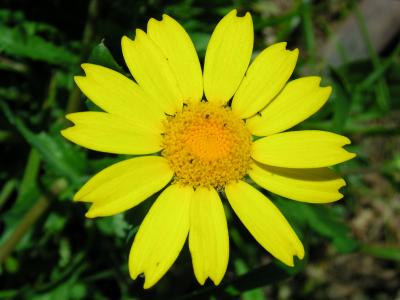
<point>207,145</point>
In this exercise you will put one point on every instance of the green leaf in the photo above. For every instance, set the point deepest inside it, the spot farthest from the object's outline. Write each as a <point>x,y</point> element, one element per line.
<point>242,268</point>
<point>6,190</point>
<point>20,43</point>
<point>100,55</point>
<point>263,276</point>
<point>384,252</point>
<point>113,226</point>
<point>60,156</point>
<point>322,219</point>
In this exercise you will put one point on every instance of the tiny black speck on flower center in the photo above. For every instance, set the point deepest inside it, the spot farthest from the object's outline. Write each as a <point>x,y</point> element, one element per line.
<point>207,145</point>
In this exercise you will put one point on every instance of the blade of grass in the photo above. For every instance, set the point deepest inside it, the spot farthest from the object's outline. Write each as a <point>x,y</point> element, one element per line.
<point>6,191</point>
<point>382,90</point>
<point>30,174</point>
<point>308,30</point>
<point>384,252</point>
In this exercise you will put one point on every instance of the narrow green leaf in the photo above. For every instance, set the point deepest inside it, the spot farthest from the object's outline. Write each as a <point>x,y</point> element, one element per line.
<point>384,252</point>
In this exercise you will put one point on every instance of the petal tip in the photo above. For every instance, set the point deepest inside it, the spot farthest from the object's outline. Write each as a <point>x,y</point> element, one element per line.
<point>124,41</point>
<point>216,280</point>
<point>139,34</point>
<point>84,66</point>
<point>232,12</point>
<point>201,281</point>
<point>88,67</point>
<point>66,132</point>
<point>300,251</point>
<point>151,23</point>
<point>77,197</point>
<point>289,261</point>
<point>166,17</point>
<point>328,89</point>
<point>90,214</point>
<point>132,272</point>
<point>148,284</point>
<point>295,53</point>
<point>78,79</point>
<point>351,155</point>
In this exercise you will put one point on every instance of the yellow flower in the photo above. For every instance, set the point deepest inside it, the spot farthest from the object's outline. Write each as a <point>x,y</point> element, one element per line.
<point>204,146</point>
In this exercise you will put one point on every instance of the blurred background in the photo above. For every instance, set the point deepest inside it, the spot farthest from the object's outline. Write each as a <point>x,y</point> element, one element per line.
<point>49,250</point>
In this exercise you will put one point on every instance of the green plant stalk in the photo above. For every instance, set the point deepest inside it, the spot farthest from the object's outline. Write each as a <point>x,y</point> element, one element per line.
<point>30,218</point>
<point>308,29</point>
<point>30,173</point>
<point>88,33</point>
<point>6,191</point>
<point>27,221</point>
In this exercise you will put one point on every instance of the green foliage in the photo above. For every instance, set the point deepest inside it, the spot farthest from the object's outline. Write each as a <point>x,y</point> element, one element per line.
<point>24,41</point>
<point>102,56</point>
<point>62,255</point>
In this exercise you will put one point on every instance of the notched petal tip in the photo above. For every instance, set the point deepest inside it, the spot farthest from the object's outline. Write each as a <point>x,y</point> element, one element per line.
<point>167,18</point>
<point>294,53</point>
<point>79,79</point>
<point>341,183</point>
<point>72,117</point>
<point>125,42</point>
<point>327,89</point>
<point>235,14</point>
<point>152,22</point>
<point>280,45</point>
<point>216,281</point>
<point>62,132</point>
<point>148,283</point>
<point>66,132</point>
<point>289,262</point>
<point>82,192</point>
<point>89,68</point>
<point>351,155</point>
<point>300,252</point>
<point>232,12</point>
<point>77,197</point>
<point>200,280</point>
<point>90,214</point>
<point>84,66</point>
<point>346,141</point>
<point>139,34</point>
<point>314,79</point>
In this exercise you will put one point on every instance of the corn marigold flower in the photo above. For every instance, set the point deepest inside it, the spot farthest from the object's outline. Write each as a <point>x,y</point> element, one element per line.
<point>201,147</point>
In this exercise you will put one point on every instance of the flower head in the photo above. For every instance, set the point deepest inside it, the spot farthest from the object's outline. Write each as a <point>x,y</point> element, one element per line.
<point>200,147</point>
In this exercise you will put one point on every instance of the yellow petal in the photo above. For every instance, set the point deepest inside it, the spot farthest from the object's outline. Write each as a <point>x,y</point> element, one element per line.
<point>301,149</point>
<point>265,78</point>
<point>152,72</point>
<point>178,48</point>
<point>120,96</point>
<point>300,99</point>
<point>208,236</point>
<point>111,133</point>
<point>307,185</point>
<point>162,235</point>
<point>124,185</point>
<point>227,57</point>
<point>265,222</point>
